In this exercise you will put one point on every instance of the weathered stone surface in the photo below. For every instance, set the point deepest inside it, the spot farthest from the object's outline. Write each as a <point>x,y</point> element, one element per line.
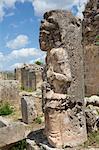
<point>7,75</point>
<point>91,47</point>
<point>93,100</point>
<point>12,133</point>
<point>31,145</point>
<point>28,109</point>
<point>9,91</point>
<point>92,113</point>
<point>34,100</point>
<point>3,122</point>
<point>29,76</point>
<point>37,141</point>
<point>63,87</point>
<point>91,120</point>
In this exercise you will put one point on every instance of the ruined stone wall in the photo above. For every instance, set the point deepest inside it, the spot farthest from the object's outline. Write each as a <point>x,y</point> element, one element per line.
<point>38,75</point>
<point>91,47</point>
<point>28,80</point>
<point>5,75</point>
<point>18,75</point>
<point>29,76</point>
<point>9,91</point>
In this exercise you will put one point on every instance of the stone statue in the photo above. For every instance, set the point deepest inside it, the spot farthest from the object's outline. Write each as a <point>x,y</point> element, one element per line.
<point>63,87</point>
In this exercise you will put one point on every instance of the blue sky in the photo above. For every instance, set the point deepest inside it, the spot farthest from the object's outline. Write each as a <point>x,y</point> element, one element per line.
<point>19,28</point>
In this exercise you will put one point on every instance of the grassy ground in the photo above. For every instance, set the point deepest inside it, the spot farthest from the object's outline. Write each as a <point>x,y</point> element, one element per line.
<point>93,140</point>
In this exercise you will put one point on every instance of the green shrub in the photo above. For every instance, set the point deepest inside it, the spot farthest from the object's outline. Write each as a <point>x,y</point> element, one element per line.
<point>97,40</point>
<point>97,43</point>
<point>5,109</point>
<point>38,63</point>
<point>21,145</point>
<point>22,87</point>
<point>38,120</point>
<point>97,37</point>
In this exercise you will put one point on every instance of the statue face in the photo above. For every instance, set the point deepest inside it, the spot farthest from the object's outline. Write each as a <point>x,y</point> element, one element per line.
<point>49,34</point>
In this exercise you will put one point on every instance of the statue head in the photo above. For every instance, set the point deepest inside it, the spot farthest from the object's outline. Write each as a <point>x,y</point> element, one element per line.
<point>49,33</point>
<point>53,29</point>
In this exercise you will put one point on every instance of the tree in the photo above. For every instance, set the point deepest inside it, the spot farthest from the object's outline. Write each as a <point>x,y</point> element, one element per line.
<point>38,63</point>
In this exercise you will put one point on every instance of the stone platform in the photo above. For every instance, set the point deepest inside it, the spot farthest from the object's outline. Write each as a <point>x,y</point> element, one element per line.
<point>36,140</point>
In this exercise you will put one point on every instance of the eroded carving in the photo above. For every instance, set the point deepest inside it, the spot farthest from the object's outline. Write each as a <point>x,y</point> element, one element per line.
<point>63,89</point>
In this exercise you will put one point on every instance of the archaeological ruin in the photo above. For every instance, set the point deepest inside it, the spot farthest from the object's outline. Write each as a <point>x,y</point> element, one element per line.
<point>9,91</point>
<point>7,75</point>
<point>29,76</point>
<point>55,106</point>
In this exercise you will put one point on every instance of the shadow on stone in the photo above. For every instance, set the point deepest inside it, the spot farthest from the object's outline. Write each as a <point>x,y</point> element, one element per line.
<point>39,138</point>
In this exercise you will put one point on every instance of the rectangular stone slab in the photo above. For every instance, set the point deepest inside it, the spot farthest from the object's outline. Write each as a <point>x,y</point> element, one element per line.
<point>12,134</point>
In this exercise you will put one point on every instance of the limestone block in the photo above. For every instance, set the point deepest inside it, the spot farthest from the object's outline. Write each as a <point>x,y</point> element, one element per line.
<point>28,109</point>
<point>3,122</point>
<point>93,100</point>
<point>91,120</point>
<point>38,105</point>
<point>9,91</point>
<point>13,133</point>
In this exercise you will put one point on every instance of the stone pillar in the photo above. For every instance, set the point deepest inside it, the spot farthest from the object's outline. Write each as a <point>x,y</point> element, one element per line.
<point>63,86</point>
<point>28,109</point>
<point>91,47</point>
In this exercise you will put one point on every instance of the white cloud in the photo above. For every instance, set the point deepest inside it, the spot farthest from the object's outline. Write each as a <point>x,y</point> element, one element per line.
<point>18,42</point>
<point>2,13</point>
<point>2,60</point>
<point>8,4</point>
<point>10,14</point>
<point>41,57</point>
<point>81,6</point>
<point>14,25</point>
<point>19,54</point>
<point>16,65</point>
<point>1,56</point>
<point>42,6</point>
<point>18,57</point>
<point>24,52</point>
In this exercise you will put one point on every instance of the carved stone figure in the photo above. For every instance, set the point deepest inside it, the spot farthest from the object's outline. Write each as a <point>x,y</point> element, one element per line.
<point>63,87</point>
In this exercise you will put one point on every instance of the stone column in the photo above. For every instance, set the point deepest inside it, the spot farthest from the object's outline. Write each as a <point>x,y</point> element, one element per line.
<point>91,47</point>
<point>63,87</point>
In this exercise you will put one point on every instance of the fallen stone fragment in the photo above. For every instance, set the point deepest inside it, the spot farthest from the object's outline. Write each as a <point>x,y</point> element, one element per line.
<point>13,133</point>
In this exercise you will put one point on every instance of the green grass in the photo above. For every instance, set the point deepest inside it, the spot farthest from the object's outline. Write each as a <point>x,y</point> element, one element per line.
<point>27,90</point>
<point>22,87</point>
<point>38,120</point>
<point>5,109</point>
<point>93,139</point>
<point>97,37</point>
<point>96,43</point>
<point>97,40</point>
